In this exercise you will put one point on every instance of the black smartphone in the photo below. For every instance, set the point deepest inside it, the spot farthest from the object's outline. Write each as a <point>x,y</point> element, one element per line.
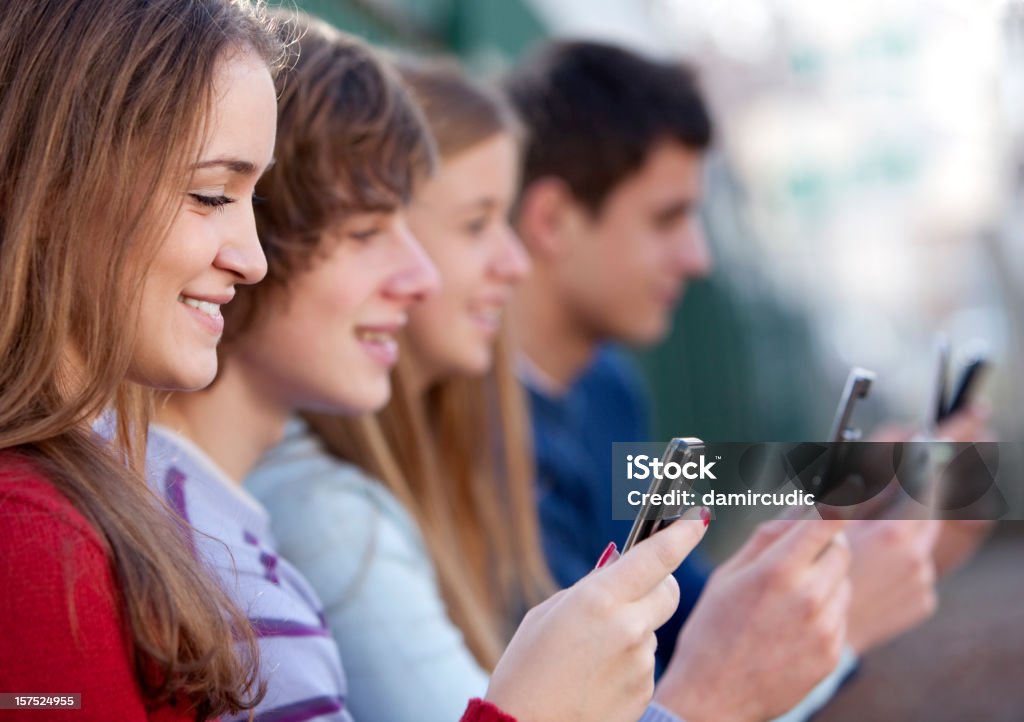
<point>651,517</point>
<point>965,386</point>
<point>936,409</point>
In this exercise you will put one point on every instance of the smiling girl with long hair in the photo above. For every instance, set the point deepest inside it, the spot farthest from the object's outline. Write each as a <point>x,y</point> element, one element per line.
<point>113,125</point>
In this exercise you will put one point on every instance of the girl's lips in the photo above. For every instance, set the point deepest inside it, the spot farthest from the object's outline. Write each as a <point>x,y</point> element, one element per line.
<point>380,343</point>
<point>383,352</point>
<point>488,323</point>
<point>212,324</point>
<point>488,315</point>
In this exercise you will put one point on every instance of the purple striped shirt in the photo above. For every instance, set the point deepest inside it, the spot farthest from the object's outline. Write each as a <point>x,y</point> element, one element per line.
<point>299,659</point>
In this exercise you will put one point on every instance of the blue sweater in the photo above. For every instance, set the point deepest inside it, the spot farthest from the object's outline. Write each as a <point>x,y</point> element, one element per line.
<point>573,435</point>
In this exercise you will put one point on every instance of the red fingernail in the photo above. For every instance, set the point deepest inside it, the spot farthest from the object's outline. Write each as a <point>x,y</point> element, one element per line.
<point>606,555</point>
<point>705,514</point>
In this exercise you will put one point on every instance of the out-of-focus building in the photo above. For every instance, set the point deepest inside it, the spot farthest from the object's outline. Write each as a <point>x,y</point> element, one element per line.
<point>864,193</point>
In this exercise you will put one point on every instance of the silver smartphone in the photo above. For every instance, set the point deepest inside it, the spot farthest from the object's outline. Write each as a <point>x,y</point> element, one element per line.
<point>858,385</point>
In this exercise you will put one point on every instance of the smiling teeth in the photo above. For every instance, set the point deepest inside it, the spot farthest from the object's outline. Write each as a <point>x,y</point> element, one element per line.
<point>492,314</point>
<point>210,309</point>
<point>376,336</point>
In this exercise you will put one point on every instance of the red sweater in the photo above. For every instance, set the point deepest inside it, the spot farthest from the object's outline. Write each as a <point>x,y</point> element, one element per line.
<point>483,711</point>
<point>52,561</point>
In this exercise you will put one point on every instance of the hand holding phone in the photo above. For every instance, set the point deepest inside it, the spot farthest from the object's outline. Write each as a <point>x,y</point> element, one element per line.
<point>587,652</point>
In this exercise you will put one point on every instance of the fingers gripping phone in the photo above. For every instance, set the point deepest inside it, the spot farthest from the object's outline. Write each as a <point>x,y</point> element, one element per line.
<point>653,517</point>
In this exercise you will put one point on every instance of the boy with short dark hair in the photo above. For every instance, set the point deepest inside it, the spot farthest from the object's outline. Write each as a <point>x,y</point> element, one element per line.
<point>611,183</point>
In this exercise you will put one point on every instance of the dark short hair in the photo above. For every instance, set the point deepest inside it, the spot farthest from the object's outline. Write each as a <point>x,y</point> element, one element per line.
<point>594,111</point>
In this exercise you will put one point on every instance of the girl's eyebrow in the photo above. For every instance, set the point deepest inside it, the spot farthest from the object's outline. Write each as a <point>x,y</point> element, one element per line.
<point>235,165</point>
<point>481,203</point>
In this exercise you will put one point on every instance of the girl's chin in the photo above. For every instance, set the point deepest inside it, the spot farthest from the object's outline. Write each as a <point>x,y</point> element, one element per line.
<point>371,396</point>
<point>193,377</point>
<point>476,364</point>
<point>196,380</point>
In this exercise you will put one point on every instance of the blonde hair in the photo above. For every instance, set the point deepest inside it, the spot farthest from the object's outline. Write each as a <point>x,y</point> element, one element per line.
<point>460,461</point>
<point>459,456</point>
<point>103,113</point>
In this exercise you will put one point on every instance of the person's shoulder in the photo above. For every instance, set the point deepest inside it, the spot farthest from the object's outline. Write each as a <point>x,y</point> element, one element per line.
<point>301,470</point>
<point>340,526</point>
<point>613,374</point>
<point>48,549</point>
<point>611,363</point>
<point>614,391</point>
<point>337,489</point>
<point>318,502</point>
<point>60,611</point>
<point>33,511</point>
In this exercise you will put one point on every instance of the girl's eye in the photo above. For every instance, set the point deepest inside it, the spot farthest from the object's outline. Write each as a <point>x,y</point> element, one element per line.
<point>476,227</point>
<point>363,236</point>
<point>211,201</point>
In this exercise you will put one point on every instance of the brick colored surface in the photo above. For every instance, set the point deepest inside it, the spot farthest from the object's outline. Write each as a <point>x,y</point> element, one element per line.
<point>966,664</point>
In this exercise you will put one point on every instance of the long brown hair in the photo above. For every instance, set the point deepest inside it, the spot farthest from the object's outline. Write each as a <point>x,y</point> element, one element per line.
<point>459,457</point>
<point>103,114</point>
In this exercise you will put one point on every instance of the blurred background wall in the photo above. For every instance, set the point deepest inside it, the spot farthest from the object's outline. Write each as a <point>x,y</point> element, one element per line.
<point>863,195</point>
